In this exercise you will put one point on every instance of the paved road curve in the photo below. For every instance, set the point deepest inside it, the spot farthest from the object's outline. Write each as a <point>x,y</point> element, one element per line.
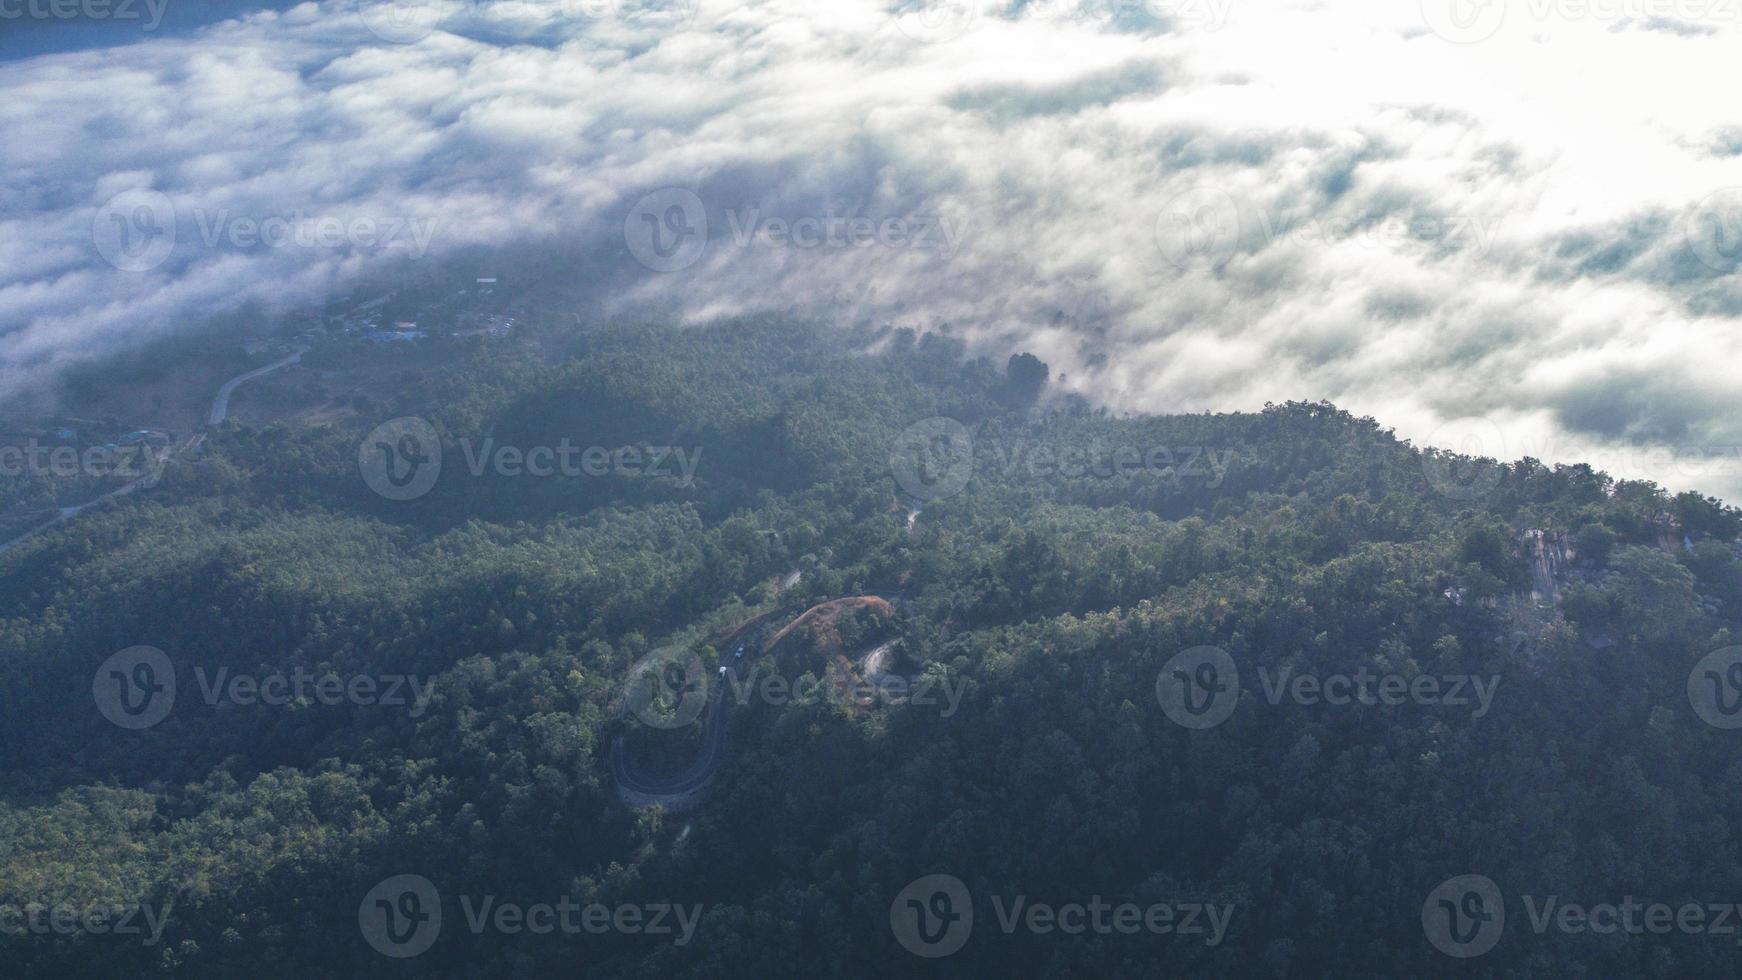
<point>221,404</point>
<point>220,411</point>
<point>678,790</point>
<point>682,789</point>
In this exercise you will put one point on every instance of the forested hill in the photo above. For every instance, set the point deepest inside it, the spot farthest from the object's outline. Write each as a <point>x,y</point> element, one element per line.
<point>1051,573</point>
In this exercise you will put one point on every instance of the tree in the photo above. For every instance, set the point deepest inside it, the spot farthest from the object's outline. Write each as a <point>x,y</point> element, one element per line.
<point>1025,377</point>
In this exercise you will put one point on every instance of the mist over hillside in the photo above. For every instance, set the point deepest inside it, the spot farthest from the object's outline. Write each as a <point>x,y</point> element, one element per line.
<point>1181,206</point>
<point>734,640</point>
<point>878,488</point>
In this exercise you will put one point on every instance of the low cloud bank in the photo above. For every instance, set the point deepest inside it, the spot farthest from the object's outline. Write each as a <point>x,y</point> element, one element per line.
<point>1479,232</point>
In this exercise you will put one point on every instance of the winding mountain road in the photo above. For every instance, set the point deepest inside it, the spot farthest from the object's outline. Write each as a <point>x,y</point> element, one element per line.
<point>682,789</point>
<point>678,790</point>
<point>219,412</point>
<point>221,404</point>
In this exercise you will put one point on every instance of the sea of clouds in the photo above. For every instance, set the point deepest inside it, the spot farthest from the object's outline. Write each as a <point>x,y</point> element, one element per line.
<point>1508,226</point>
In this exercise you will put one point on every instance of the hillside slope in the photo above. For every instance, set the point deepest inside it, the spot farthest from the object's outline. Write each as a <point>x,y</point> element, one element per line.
<point>1066,572</point>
